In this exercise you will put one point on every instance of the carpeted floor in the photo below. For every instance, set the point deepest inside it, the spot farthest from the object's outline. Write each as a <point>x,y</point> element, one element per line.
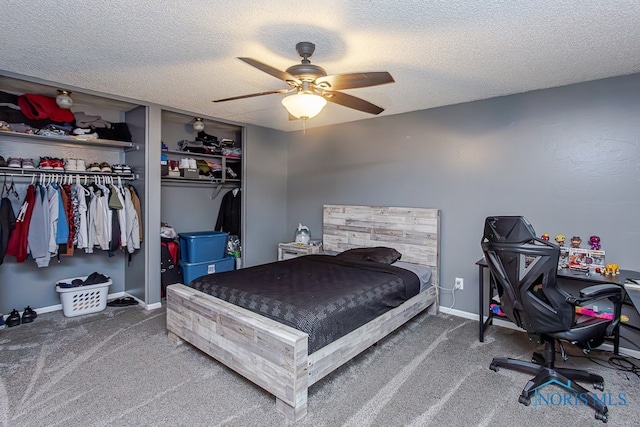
<point>117,368</point>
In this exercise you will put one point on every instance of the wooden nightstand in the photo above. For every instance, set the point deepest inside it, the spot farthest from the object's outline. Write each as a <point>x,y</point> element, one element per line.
<point>292,250</point>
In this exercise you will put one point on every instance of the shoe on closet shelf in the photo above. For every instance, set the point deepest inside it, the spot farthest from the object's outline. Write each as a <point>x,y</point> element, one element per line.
<point>122,169</point>
<point>14,162</point>
<point>173,168</point>
<point>45,163</point>
<point>80,165</point>
<point>57,164</point>
<point>104,167</point>
<point>28,164</point>
<point>93,167</point>
<point>192,163</point>
<point>3,162</point>
<point>71,165</point>
<point>184,163</point>
<point>29,315</point>
<point>231,173</point>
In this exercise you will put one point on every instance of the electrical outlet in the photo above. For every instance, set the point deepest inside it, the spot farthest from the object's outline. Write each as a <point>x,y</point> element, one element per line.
<point>459,283</point>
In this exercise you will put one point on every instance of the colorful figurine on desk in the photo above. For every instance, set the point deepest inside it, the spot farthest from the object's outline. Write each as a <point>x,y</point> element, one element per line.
<point>560,239</point>
<point>594,241</point>
<point>545,237</point>
<point>576,241</point>
<point>611,269</point>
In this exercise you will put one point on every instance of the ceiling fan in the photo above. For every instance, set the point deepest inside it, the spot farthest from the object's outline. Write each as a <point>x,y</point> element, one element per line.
<point>313,87</point>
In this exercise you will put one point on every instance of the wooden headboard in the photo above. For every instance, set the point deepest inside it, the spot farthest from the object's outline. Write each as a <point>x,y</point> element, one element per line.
<point>414,232</point>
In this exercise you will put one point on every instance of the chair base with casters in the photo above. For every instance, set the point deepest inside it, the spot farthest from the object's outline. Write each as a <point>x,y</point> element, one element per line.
<point>545,373</point>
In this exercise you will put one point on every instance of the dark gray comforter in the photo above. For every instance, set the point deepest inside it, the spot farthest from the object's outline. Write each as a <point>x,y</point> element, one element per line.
<point>317,294</point>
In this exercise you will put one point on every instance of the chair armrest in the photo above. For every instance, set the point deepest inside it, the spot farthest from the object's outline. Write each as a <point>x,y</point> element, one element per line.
<point>604,290</point>
<point>596,292</point>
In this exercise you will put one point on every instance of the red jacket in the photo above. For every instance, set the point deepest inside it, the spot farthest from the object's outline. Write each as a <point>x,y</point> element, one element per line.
<point>18,240</point>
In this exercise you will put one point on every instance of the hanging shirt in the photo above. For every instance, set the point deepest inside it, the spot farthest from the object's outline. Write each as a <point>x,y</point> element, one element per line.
<point>229,214</point>
<point>18,241</point>
<point>39,228</point>
<point>135,199</point>
<point>83,225</point>
<point>132,232</point>
<point>7,225</point>
<point>62,234</point>
<point>53,204</point>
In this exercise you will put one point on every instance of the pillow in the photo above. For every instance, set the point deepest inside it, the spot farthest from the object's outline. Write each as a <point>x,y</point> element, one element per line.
<point>377,254</point>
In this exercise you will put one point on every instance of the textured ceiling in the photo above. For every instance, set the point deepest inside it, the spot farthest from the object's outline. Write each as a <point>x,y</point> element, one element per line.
<point>182,53</point>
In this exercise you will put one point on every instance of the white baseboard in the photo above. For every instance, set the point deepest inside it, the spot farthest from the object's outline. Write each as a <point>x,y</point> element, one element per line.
<point>506,324</point>
<point>152,306</point>
<point>58,307</point>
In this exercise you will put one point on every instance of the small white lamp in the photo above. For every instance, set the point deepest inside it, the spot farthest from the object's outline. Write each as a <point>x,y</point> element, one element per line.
<point>198,124</point>
<point>63,99</point>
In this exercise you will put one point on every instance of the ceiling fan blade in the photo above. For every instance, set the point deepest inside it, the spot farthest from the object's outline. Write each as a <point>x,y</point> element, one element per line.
<point>352,102</point>
<point>282,75</point>
<point>251,95</point>
<point>354,80</point>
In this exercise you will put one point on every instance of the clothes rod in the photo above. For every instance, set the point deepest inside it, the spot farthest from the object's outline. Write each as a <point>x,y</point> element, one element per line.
<point>83,175</point>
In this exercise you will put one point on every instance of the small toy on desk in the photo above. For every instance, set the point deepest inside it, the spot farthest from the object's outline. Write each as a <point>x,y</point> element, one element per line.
<point>560,239</point>
<point>576,241</point>
<point>545,236</point>
<point>611,269</point>
<point>594,241</point>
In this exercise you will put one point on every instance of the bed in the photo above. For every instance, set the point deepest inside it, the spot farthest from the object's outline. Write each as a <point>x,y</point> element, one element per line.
<point>276,356</point>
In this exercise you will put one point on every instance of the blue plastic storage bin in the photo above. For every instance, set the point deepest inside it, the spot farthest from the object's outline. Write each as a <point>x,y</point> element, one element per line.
<point>201,246</point>
<point>191,271</point>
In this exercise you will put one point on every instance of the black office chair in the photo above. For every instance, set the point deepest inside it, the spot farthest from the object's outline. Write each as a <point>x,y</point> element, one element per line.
<point>524,267</point>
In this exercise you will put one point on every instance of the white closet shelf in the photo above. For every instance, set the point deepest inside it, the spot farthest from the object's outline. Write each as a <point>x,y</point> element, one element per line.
<point>69,140</point>
<point>199,155</point>
<point>207,180</point>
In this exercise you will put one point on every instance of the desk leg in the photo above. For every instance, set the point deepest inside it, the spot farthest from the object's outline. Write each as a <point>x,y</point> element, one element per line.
<point>481,305</point>
<point>482,324</point>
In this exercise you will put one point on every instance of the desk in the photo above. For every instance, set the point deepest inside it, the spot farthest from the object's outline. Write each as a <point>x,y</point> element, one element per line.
<point>564,273</point>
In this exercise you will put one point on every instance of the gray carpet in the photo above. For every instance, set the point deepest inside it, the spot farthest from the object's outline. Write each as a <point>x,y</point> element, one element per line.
<point>117,368</point>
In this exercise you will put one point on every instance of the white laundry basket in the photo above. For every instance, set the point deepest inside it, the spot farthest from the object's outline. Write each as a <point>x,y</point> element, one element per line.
<point>83,299</point>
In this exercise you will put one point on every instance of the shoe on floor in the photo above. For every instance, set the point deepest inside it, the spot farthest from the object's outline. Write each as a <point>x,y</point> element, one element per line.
<point>13,319</point>
<point>29,315</point>
<point>122,302</point>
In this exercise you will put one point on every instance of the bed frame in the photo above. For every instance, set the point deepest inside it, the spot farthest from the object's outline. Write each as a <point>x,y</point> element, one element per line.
<point>275,356</point>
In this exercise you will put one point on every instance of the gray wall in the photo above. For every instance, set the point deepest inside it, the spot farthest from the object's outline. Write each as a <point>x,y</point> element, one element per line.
<point>566,158</point>
<point>265,193</point>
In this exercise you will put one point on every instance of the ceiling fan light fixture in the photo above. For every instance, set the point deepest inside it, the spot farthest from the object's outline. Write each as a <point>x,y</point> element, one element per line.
<point>303,105</point>
<point>198,124</point>
<point>63,99</point>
